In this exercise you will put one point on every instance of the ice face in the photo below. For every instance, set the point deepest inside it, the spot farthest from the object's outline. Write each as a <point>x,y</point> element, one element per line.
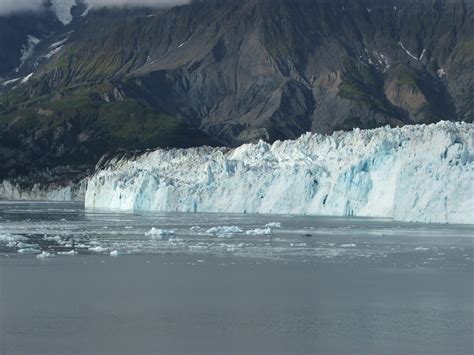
<point>415,173</point>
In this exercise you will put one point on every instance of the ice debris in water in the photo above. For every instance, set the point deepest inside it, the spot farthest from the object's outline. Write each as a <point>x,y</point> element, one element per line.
<point>422,248</point>
<point>222,230</point>
<point>29,251</point>
<point>8,238</point>
<point>45,255</point>
<point>259,231</point>
<point>350,245</point>
<point>56,239</point>
<point>115,253</point>
<point>159,233</point>
<point>98,249</point>
<point>422,173</point>
<point>273,225</point>
<point>68,253</point>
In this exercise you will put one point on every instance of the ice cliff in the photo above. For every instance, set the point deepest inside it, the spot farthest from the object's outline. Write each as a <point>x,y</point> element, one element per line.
<point>14,190</point>
<point>421,173</point>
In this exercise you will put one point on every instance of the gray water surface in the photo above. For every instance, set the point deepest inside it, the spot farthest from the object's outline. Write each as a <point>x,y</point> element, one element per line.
<point>313,285</point>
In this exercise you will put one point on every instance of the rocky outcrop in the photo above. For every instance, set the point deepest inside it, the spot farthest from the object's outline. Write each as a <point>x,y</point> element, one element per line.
<point>233,72</point>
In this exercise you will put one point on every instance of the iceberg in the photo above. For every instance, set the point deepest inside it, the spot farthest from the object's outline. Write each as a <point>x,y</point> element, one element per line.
<point>259,231</point>
<point>224,230</point>
<point>158,233</point>
<point>8,238</point>
<point>420,173</point>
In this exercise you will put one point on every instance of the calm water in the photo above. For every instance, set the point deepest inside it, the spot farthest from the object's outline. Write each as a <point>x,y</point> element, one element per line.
<point>311,285</point>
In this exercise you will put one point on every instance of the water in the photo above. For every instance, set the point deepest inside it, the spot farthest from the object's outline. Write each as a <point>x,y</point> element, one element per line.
<point>314,285</point>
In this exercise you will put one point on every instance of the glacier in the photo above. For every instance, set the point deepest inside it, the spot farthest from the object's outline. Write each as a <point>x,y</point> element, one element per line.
<point>420,173</point>
<point>18,190</point>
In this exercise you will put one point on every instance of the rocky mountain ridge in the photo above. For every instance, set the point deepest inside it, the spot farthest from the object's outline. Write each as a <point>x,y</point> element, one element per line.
<point>229,72</point>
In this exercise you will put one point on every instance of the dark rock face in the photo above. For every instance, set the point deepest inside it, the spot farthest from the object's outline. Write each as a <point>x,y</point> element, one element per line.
<point>235,71</point>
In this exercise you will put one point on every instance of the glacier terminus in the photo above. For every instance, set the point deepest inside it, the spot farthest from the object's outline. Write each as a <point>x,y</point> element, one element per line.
<point>422,173</point>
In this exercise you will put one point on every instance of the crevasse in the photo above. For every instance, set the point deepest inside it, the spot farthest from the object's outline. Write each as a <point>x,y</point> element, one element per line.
<point>421,173</point>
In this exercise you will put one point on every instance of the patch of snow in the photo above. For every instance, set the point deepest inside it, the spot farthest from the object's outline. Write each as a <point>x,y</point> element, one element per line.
<point>27,51</point>
<point>58,43</point>
<point>422,54</point>
<point>26,78</point>
<point>86,11</point>
<point>53,52</point>
<point>418,173</point>
<point>182,44</point>
<point>8,82</point>
<point>407,51</point>
<point>62,9</point>
<point>441,72</point>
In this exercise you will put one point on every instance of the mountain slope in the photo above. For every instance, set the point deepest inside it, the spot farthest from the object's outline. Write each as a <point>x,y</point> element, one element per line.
<point>237,71</point>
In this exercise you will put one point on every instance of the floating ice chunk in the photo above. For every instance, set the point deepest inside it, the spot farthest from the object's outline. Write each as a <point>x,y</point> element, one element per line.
<point>56,239</point>
<point>21,245</point>
<point>7,238</point>
<point>232,247</point>
<point>259,231</point>
<point>29,251</point>
<point>115,253</point>
<point>273,225</point>
<point>350,245</point>
<point>195,228</point>
<point>222,230</point>
<point>45,255</point>
<point>298,245</point>
<point>422,248</point>
<point>159,233</point>
<point>68,253</point>
<point>98,249</point>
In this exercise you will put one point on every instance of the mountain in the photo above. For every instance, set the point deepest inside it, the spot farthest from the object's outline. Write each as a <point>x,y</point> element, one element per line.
<point>225,72</point>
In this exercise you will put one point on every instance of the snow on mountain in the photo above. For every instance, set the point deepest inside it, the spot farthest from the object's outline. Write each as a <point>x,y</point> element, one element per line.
<point>419,173</point>
<point>62,9</point>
